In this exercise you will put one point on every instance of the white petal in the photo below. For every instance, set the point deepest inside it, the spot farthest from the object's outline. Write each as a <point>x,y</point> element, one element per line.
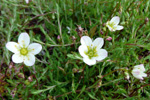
<point>82,49</point>
<point>13,47</point>
<point>27,1</point>
<point>119,27</point>
<point>98,42</point>
<point>102,54</point>
<point>143,75</point>
<point>138,77</point>
<point>135,72</point>
<point>17,58</point>
<point>24,39</point>
<point>140,67</point>
<point>89,61</point>
<point>68,28</point>
<point>29,60</point>
<point>35,48</point>
<point>86,40</point>
<point>137,67</point>
<point>115,20</point>
<point>109,27</point>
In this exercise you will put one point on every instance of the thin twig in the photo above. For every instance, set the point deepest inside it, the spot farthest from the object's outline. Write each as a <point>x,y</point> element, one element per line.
<point>1,96</point>
<point>55,45</point>
<point>131,94</point>
<point>36,17</point>
<point>82,74</point>
<point>36,80</point>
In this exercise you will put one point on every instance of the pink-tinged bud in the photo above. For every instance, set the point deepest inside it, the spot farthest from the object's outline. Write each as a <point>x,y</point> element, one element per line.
<point>30,78</point>
<point>58,37</point>
<point>101,32</point>
<point>11,65</point>
<point>146,20</point>
<point>109,39</point>
<point>73,37</point>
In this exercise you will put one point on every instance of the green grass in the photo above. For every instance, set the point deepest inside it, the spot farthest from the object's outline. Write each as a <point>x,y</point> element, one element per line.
<point>53,73</point>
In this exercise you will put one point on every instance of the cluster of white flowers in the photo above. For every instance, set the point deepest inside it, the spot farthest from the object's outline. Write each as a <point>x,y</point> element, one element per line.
<point>90,50</point>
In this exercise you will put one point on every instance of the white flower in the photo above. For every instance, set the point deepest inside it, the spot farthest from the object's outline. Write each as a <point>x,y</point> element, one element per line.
<point>23,52</point>
<point>113,24</point>
<point>27,1</point>
<point>138,72</point>
<point>90,50</point>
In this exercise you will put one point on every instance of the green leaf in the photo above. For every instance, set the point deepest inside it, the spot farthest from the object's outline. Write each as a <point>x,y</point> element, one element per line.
<point>147,46</point>
<point>120,91</point>
<point>94,98</point>
<point>74,56</point>
<point>92,31</point>
<point>39,91</point>
<point>82,90</point>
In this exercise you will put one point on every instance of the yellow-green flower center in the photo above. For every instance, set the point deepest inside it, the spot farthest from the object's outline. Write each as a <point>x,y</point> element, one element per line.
<point>92,52</point>
<point>23,51</point>
<point>111,24</point>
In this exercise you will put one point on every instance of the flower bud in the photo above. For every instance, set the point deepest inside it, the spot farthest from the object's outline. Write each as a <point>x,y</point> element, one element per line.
<point>10,65</point>
<point>53,16</point>
<point>73,39</point>
<point>146,20</point>
<point>75,70</point>
<point>101,32</point>
<point>99,84</point>
<point>58,38</point>
<point>21,75</point>
<point>127,75</point>
<point>30,78</point>
<point>109,39</point>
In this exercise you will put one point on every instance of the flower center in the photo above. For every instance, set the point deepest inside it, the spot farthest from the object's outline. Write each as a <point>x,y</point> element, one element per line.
<point>112,24</point>
<point>92,52</point>
<point>24,51</point>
